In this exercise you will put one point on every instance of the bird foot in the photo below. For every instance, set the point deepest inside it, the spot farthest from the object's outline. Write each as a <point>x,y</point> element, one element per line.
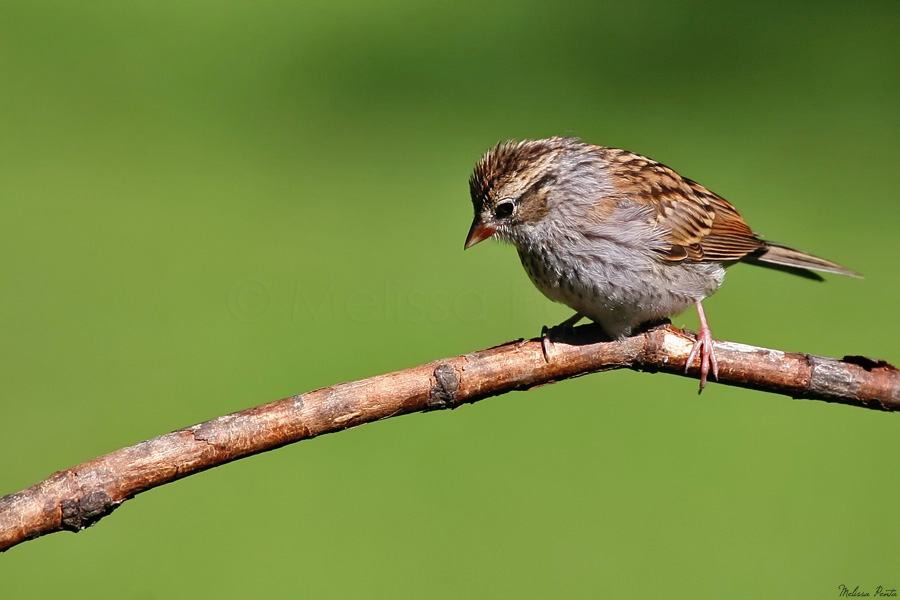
<point>703,346</point>
<point>549,332</point>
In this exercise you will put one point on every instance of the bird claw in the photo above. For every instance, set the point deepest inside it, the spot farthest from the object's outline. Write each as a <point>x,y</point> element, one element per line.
<point>545,343</point>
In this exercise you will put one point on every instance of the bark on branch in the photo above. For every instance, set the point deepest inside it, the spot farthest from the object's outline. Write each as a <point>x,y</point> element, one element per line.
<point>78,497</point>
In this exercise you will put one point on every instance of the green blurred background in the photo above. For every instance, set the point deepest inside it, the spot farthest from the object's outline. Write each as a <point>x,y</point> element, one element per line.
<point>211,205</point>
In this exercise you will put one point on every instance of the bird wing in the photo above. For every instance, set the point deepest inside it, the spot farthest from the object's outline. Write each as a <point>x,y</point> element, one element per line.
<point>694,223</point>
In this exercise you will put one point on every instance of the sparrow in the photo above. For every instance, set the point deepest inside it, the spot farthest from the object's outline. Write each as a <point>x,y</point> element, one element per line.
<point>618,237</point>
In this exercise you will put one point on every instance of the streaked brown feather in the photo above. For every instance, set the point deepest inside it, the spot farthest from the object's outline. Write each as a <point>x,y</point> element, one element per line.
<point>697,224</point>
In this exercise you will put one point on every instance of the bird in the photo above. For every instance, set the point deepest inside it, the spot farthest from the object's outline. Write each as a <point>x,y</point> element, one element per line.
<point>621,239</point>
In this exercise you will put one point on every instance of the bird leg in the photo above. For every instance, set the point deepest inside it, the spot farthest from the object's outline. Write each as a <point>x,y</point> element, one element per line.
<point>547,332</point>
<point>704,347</point>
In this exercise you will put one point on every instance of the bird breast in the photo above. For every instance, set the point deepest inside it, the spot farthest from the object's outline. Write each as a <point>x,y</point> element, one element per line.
<point>610,275</point>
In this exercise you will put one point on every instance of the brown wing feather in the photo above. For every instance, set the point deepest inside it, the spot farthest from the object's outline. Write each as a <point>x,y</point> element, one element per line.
<point>696,223</point>
<point>729,237</point>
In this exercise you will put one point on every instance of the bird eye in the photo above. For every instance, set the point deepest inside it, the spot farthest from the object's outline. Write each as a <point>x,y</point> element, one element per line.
<point>504,209</point>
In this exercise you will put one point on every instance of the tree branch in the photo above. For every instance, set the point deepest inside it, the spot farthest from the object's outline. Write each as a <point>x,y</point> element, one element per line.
<point>78,497</point>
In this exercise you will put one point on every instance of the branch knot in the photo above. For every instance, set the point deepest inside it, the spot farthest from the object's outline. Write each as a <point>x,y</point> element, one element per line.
<point>446,388</point>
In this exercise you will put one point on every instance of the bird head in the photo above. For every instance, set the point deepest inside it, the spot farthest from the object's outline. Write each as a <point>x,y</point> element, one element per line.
<point>511,187</point>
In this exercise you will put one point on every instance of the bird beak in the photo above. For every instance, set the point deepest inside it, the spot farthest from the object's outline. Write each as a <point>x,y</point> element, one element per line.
<point>478,233</point>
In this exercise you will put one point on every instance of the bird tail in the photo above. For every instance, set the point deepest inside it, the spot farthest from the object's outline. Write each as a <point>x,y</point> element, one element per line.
<point>776,256</point>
